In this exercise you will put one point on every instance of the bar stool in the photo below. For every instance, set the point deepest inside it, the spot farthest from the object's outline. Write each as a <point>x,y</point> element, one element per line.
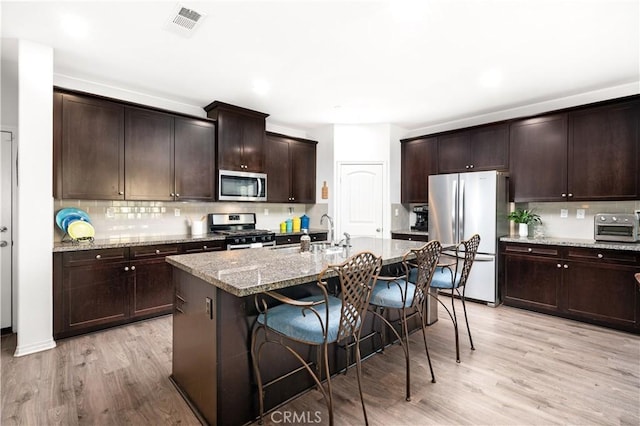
<point>450,275</point>
<point>317,321</point>
<point>400,294</point>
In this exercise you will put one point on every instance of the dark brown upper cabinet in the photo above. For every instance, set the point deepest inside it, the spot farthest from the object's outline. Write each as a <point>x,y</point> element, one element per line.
<point>240,136</point>
<point>585,154</point>
<point>194,159</point>
<point>106,150</point>
<point>419,159</point>
<point>604,153</point>
<point>290,164</point>
<point>88,148</point>
<point>476,149</point>
<point>148,155</point>
<point>538,159</point>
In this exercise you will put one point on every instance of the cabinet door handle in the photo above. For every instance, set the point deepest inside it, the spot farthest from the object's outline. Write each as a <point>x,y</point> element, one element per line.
<point>172,195</point>
<point>570,195</point>
<point>529,249</point>
<point>179,310</point>
<point>157,251</point>
<point>177,195</point>
<point>120,192</point>
<point>471,166</point>
<point>564,195</point>
<point>600,255</point>
<point>98,256</point>
<point>566,266</point>
<point>133,268</point>
<point>559,265</point>
<point>126,268</point>
<point>204,247</point>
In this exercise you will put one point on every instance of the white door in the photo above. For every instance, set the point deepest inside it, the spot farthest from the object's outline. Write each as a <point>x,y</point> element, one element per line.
<point>5,229</point>
<point>360,209</point>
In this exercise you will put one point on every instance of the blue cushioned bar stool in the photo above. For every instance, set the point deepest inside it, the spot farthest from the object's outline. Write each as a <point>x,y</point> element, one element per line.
<point>409,298</point>
<point>452,276</point>
<point>317,321</point>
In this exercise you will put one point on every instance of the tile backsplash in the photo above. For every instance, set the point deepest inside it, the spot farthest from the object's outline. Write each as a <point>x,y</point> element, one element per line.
<point>553,225</point>
<point>117,219</point>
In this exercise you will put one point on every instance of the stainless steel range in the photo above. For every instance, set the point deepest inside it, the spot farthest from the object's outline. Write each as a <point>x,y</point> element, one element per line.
<point>239,230</point>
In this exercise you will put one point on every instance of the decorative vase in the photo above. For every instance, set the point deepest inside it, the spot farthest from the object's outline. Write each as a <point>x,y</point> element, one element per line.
<point>523,230</point>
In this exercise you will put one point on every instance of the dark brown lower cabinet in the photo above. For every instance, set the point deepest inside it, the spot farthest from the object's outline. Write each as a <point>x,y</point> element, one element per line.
<point>409,236</point>
<point>96,289</point>
<point>295,238</point>
<point>591,285</point>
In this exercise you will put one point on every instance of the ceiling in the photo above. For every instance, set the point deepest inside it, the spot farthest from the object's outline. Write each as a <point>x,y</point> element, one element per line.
<point>412,63</point>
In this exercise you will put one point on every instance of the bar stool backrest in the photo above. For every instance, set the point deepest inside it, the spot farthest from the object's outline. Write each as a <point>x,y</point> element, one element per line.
<point>357,275</point>
<point>470,251</point>
<point>426,259</point>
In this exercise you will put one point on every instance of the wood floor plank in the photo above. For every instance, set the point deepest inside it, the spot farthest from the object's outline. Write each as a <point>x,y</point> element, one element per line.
<point>528,369</point>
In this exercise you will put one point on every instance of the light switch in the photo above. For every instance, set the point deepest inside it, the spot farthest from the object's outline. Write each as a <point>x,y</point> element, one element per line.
<point>580,214</point>
<point>176,212</point>
<point>564,213</point>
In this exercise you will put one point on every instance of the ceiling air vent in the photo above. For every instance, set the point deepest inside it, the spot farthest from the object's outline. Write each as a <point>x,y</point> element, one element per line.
<point>184,20</point>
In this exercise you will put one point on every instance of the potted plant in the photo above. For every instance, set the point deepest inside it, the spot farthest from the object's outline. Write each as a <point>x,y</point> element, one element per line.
<point>524,218</point>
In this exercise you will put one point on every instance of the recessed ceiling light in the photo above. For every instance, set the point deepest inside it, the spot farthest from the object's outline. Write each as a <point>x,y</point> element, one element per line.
<point>74,25</point>
<point>261,87</point>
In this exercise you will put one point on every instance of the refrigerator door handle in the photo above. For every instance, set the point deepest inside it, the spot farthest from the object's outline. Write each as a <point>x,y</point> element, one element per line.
<point>454,209</point>
<point>461,235</point>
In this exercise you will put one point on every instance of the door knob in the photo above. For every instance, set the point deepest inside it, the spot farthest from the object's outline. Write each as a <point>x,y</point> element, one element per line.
<point>3,228</point>
<point>378,229</point>
<point>3,243</point>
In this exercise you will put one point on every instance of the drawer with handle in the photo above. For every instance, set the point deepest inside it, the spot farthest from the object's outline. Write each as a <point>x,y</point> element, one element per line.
<point>146,252</point>
<point>86,257</point>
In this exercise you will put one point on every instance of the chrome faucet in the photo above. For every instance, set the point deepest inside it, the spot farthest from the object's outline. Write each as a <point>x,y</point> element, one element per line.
<point>330,226</point>
<point>346,239</point>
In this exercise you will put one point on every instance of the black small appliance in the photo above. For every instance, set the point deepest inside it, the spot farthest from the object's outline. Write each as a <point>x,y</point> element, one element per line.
<point>422,218</point>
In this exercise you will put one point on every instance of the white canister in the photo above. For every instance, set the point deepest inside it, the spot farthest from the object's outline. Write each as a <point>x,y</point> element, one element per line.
<point>197,227</point>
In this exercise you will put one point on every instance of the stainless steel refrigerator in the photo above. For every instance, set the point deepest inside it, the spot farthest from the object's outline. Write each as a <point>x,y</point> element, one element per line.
<point>463,204</point>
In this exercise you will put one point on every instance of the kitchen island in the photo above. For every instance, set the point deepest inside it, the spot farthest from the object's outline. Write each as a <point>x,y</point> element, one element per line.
<point>214,314</point>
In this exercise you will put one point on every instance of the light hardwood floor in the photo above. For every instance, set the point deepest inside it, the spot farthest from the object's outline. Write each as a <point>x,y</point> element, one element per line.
<point>528,369</point>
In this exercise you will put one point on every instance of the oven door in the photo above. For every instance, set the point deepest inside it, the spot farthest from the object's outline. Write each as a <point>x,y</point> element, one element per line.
<point>241,186</point>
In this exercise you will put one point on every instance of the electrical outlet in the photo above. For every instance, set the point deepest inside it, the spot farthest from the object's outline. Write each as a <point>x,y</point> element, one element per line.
<point>580,214</point>
<point>176,212</point>
<point>396,212</point>
<point>564,213</point>
<point>266,212</point>
<point>209,307</point>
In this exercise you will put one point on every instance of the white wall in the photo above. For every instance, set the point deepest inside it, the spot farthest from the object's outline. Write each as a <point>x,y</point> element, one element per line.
<point>34,234</point>
<point>364,143</point>
<point>532,109</point>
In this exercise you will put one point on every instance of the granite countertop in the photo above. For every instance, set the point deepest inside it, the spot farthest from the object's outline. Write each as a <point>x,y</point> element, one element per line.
<point>573,242</point>
<point>133,241</point>
<point>247,272</point>
<point>118,242</point>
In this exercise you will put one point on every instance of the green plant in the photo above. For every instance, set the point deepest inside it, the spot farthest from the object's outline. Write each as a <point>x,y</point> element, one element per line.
<point>524,216</point>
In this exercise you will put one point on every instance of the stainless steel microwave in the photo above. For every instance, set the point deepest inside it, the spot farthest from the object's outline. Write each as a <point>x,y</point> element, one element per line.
<point>241,186</point>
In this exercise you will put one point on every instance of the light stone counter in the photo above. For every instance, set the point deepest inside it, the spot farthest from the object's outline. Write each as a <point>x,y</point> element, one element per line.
<point>132,241</point>
<point>574,242</point>
<point>246,272</point>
